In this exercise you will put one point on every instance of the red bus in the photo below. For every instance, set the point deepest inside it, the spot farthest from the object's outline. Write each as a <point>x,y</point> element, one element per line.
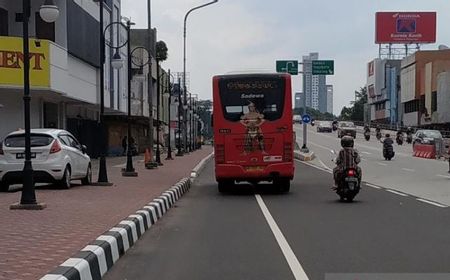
<point>252,126</point>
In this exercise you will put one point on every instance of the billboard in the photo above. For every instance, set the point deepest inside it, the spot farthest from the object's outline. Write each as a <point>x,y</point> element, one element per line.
<point>11,62</point>
<point>405,27</point>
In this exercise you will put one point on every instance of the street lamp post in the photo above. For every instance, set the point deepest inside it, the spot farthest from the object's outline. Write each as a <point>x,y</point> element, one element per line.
<point>192,125</point>
<point>49,13</point>
<point>158,120</point>
<point>169,95</point>
<point>184,60</point>
<point>102,171</point>
<point>180,108</point>
<point>129,170</point>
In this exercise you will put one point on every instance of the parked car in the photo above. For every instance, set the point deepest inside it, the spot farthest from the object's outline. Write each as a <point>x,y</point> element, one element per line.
<point>430,137</point>
<point>346,128</point>
<point>325,126</point>
<point>57,157</point>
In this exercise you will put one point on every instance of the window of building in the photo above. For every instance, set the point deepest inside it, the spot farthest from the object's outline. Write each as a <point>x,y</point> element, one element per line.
<point>380,106</point>
<point>434,101</point>
<point>411,106</point>
<point>3,22</point>
<point>44,30</point>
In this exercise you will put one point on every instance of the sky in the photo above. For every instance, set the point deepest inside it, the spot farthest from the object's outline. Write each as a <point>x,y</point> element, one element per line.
<point>234,35</point>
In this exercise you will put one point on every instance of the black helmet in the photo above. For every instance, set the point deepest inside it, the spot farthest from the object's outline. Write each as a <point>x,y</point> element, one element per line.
<point>347,142</point>
<point>388,135</point>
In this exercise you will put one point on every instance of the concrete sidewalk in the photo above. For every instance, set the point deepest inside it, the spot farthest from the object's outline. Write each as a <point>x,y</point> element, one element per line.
<point>35,242</point>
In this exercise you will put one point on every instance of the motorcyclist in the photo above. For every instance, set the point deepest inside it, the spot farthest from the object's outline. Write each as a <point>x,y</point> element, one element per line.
<point>366,128</point>
<point>388,144</point>
<point>399,136</point>
<point>378,132</point>
<point>348,158</point>
<point>335,124</point>
<point>409,133</point>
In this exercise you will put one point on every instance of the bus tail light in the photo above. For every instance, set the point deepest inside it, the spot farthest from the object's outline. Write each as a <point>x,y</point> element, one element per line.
<point>287,152</point>
<point>219,153</point>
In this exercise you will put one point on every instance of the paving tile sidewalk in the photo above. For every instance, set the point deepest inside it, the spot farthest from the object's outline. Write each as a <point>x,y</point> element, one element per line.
<point>32,243</point>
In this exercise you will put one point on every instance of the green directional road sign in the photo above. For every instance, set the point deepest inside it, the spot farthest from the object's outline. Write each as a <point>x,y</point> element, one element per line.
<point>323,67</point>
<point>289,66</point>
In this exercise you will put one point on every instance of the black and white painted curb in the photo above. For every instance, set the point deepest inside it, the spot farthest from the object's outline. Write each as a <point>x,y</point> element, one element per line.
<point>94,260</point>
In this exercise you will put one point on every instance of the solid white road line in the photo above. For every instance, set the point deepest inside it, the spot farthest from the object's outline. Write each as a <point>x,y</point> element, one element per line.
<point>373,186</point>
<point>320,146</point>
<point>324,165</point>
<point>315,166</point>
<point>409,170</point>
<point>291,259</point>
<point>382,164</point>
<point>443,176</point>
<point>396,192</point>
<point>432,203</point>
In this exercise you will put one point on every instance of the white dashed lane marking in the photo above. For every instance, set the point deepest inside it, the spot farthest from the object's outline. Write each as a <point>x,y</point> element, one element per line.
<point>431,202</point>
<point>396,192</point>
<point>373,186</point>
<point>382,164</point>
<point>408,169</point>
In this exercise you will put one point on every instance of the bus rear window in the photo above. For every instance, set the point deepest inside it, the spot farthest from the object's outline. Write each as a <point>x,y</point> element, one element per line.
<point>240,95</point>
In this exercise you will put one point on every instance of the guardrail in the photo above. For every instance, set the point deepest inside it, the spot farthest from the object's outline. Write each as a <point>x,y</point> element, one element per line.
<point>445,133</point>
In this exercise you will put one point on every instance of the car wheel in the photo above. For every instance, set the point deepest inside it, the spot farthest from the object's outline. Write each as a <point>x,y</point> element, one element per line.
<point>65,181</point>
<point>4,187</point>
<point>88,179</point>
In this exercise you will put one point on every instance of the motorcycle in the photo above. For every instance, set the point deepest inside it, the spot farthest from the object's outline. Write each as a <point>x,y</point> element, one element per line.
<point>378,135</point>
<point>409,138</point>
<point>399,139</point>
<point>388,151</point>
<point>348,186</point>
<point>335,126</point>
<point>367,135</point>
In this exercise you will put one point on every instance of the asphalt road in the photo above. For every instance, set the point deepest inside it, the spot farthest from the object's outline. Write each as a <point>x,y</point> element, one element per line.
<point>258,234</point>
<point>423,178</point>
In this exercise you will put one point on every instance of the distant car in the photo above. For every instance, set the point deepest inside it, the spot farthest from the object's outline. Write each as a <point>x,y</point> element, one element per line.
<point>297,119</point>
<point>325,126</point>
<point>428,136</point>
<point>346,128</point>
<point>57,157</point>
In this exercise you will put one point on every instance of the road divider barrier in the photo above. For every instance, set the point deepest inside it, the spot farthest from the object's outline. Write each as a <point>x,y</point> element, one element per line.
<point>424,151</point>
<point>93,261</point>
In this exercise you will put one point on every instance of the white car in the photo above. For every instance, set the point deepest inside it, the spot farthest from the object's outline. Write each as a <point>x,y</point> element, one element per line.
<point>56,156</point>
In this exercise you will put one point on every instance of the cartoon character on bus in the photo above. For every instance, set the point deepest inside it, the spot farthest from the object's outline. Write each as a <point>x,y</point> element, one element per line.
<point>254,136</point>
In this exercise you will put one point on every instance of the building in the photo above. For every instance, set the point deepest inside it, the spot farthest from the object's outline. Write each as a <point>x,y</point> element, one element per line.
<point>383,91</point>
<point>298,103</point>
<point>314,86</point>
<point>425,93</point>
<point>330,99</point>
<point>65,73</point>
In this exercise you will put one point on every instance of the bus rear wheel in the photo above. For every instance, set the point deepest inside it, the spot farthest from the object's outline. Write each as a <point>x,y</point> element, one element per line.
<point>224,185</point>
<point>283,185</point>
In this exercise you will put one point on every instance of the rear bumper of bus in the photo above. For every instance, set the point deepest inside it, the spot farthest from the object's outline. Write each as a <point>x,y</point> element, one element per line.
<point>259,173</point>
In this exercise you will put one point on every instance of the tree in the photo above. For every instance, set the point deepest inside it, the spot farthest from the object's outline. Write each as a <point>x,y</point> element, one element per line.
<point>356,111</point>
<point>161,51</point>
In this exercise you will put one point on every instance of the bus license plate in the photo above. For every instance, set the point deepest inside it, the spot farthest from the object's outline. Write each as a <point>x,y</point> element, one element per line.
<point>254,168</point>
